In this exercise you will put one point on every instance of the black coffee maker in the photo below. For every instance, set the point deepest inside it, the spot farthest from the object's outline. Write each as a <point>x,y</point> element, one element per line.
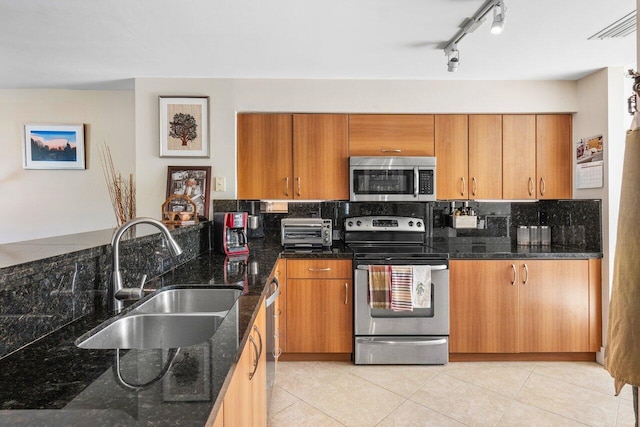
<point>230,233</point>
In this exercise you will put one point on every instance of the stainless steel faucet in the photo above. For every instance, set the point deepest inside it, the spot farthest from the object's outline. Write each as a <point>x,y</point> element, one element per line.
<point>118,292</point>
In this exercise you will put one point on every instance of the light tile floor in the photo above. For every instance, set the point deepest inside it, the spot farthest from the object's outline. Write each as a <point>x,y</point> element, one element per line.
<point>458,394</point>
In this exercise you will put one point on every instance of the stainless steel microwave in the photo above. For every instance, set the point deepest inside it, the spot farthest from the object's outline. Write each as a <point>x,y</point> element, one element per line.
<point>392,179</point>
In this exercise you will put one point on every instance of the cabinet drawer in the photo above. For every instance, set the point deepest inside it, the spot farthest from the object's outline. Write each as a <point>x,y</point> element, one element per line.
<point>319,269</point>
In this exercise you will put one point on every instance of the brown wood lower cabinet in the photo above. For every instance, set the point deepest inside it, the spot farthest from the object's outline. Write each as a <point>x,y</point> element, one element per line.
<point>319,308</point>
<point>245,402</point>
<point>525,306</point>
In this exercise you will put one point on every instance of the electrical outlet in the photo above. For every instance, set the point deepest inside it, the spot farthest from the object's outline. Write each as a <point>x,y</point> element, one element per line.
<point>220,183</point>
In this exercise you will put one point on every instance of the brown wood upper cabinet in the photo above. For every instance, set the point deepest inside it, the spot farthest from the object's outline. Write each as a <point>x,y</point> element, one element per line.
<point>469,155</point>
<point>519,156</point>
<point>265,156</point>
<point>293,156</point>
<point>452,156</point>
<point>391,135</point>
<point>537,156</point>
<point>553,156</point>
<point>485,156</point>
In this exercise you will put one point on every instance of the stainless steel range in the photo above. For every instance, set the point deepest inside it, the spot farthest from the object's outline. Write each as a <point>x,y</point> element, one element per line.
<point>418,333</point>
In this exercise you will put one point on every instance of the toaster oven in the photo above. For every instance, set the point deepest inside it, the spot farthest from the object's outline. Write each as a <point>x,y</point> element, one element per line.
<point>306,233</point>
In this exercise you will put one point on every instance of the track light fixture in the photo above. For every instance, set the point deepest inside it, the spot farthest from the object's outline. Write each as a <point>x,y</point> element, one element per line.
<point>469,25</point>
<point>498,17</point>
<point>453,59</point>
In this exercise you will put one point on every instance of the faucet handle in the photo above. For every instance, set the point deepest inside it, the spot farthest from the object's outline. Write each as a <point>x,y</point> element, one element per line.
<point>128,294</point>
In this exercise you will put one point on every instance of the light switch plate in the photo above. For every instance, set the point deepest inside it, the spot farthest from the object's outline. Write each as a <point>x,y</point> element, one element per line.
<point>220,183</point>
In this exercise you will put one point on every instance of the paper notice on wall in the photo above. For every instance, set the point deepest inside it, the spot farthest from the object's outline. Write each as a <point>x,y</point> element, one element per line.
<point>589,156</point>
<point>590,175</point>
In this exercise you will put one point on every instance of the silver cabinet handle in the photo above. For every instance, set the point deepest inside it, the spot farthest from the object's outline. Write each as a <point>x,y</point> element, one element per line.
<point>255,328</point>
<point>462,185</point>
<point>475,185</point>
<point>346,293</point>
<point>530,186</point>
<point>543,186</point>
<point>526,272</point>
<point>298,178</point>
<point>513,282</point>
<point>286,188</point>
<point>272,298</point>
<point>255,364</point>
<point>319,269</point>
<point>391,150</point>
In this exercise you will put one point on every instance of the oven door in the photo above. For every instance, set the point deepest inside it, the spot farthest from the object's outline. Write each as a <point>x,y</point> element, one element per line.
<point>421,321</point>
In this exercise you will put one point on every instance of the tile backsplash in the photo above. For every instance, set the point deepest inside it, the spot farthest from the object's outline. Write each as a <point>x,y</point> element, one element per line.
<point>39,297</point>
<point>498,221</point>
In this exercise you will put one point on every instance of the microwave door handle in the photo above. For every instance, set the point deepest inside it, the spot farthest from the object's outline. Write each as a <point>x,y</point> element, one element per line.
<point>416,182</point>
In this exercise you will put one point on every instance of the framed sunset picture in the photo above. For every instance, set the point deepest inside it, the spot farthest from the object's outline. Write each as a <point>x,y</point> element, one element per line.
<point>54,146</point>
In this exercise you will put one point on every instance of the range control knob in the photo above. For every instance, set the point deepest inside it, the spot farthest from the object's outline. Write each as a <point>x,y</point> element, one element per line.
<point>419,224</point>
<point>411,224</point>
<point>350,223</point>
<point>358,223</point>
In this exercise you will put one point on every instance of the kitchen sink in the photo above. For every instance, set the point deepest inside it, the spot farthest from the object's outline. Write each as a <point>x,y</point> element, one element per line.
<point>169,318</point>
<point>190,300</point>
<point>145,331</point>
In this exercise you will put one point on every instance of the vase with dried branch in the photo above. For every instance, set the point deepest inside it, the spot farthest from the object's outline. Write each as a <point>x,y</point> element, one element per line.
<point>121,191</point>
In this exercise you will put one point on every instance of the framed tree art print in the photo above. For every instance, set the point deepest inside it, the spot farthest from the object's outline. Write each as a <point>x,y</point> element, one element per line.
<point>184,126</point>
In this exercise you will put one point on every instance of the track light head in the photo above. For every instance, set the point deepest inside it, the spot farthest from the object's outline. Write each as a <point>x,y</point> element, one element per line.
<point>498,18</point>
<point>453,59</point>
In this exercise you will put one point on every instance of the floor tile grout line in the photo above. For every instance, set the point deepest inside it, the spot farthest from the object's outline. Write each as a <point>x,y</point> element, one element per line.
<point>576,385</point>
<point>365,380</point>
<point>288,406</point>
<point>442,372</point>
<point>518,399</point>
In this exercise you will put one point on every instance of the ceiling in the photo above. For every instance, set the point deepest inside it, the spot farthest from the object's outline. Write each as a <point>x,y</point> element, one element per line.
<point>104,44</point>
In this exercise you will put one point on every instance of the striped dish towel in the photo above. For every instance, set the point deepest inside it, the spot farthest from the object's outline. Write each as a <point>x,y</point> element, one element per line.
<point>380,286</point>
<point>401,288</point>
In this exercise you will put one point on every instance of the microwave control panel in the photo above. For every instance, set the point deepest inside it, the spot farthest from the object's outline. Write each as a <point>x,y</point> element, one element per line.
<point>425,181</point>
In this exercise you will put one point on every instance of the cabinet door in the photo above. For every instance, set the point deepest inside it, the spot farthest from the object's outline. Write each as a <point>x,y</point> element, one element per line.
<point>484,306</point>
<point>319,315</point>
<point>553,158</point>
<point>451,149</point>
<point>321,158</point>
<point>238,402</point>
<point>554,306</point>
<point>485,156</point>
<point>265,156</point>
<point>280,312</point>
<point>519,156</point>
<point>391,135</point>
<point>259,378</point>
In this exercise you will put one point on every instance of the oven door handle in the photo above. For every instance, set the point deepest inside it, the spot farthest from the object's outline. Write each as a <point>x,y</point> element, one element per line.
<point>412,342</point>
<point>433,267</point>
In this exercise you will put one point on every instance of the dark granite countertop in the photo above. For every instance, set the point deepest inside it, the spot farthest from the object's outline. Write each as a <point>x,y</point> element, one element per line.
<point>53,382</point>
<point>501,249</point>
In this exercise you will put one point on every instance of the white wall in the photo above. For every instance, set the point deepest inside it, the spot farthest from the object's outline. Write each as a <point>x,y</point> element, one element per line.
<point>229,96</point>
<point>601,110</point>
<point>43,203</point>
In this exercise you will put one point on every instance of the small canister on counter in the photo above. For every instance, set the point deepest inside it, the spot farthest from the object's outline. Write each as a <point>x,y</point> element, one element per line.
<point>523,235</point>
<point>545,235</point>
<point>534,235</point>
